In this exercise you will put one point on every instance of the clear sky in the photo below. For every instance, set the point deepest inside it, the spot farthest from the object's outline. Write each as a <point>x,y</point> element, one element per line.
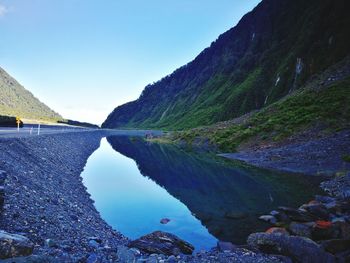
<point>85,57</point>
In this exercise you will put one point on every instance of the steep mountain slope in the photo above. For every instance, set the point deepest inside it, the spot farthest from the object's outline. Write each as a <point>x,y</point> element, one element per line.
<point>17,101</point>
<point>272,51</point>
<point>319,108</point>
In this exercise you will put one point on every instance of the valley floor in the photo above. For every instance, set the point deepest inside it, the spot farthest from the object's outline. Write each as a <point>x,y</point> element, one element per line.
<point>322,156</point>
<point>45,205</point>
<point>46,202</point>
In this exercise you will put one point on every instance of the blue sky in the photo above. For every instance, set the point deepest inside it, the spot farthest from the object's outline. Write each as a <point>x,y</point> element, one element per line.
<point>85,57</point>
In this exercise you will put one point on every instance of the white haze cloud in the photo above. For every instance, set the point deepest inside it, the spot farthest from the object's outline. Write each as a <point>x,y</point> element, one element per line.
<point>3,10</point>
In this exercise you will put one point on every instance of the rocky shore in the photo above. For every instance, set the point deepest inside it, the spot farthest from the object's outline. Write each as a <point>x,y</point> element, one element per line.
<point>306,154</point>
<point>315,232</point>
<point>46,202</point>
<point>48,216</point>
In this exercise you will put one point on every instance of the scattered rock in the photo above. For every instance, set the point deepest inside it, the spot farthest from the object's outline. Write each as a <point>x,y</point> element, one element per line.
<point>301,229</point>
<point>274,213</point>
<point>225,246</point>
<point>268,218</point>
<point>162,243</point>
<point>338,220</point>
<point>97,239</point>
<point>323,230</point>
<point>277,230</point>
<point>30,259</point>
<point>125,255</point>
<point>300,249</point>
<point>172,259</point>
<point>164,221</point>
<point>332,206</point>
<point>93,244</point>
<point>50,243</point>
<point>325,199</point>
<point>13,245</point>
<point>323,224</point>
<point>93,258</point>
<point>297,215</point>
<point>317,210</point>
<point>338,187</point>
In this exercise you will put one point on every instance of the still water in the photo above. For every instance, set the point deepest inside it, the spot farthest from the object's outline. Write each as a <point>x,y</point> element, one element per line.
<point>136,184</point>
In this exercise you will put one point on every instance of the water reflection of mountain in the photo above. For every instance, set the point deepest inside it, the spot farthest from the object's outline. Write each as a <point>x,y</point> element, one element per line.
<point>227,199</point>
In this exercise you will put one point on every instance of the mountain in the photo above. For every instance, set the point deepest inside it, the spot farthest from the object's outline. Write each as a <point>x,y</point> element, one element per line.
<point>317,109</point>
<point>15,100</point>
<point>273,51</point>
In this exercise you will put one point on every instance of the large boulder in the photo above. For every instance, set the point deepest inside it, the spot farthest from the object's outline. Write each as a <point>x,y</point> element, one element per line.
<point>162,243</point>
<point>13,245</point>
<point>299,249</point>
<point>301,229</point>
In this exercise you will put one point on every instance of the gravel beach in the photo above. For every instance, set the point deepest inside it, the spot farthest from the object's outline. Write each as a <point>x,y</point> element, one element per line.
<point>322,156</point>
<point>46,200</point>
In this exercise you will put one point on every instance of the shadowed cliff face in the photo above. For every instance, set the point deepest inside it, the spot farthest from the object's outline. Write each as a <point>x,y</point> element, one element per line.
<point>226,198</point>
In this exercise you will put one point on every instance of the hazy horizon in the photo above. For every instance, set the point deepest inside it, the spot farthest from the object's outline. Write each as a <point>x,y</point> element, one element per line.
<point>84,58</point>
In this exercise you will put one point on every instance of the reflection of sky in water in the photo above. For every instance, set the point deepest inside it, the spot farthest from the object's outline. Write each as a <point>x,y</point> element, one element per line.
<point>134,204</point>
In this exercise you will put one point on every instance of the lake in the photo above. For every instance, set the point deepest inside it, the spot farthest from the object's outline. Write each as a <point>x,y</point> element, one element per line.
<point>135,184</point>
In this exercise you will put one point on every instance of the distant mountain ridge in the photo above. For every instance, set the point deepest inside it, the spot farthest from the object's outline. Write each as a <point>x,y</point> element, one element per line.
<point>16,101</point>
<point>271,52</point>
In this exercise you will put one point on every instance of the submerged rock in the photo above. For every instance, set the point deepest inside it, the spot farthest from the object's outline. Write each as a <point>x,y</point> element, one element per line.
<point>13,245</point>
<point>164,221</point>
<point>162,243</point>
<point>300,249</point>
<point>125,255</point>
<point>268,218</point>
<point>317,210</point>
<point>297,215</point>
<point>226,246</point>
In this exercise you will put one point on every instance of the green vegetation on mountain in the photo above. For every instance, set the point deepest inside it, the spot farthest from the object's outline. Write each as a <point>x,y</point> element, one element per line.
<point>272,52</point>
<point>327,108</point>
<point>16,101</point>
